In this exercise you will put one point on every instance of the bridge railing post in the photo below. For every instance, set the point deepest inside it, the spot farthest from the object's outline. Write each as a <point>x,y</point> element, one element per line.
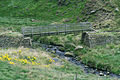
<point>32,33</point>
<point>91,26</point>
<point>57,29</point>
<point>48,30</point>
<point>40,30</point>
<point>65,29</point>
<point>23,31</point>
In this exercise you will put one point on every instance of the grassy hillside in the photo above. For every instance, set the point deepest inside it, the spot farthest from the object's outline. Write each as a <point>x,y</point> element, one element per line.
<point>42,9</point>
<point>15,14</point>
<point>39,65</point>
<point>103,14</point>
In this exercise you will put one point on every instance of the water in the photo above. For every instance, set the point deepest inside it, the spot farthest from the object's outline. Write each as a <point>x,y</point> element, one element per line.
<point>87,69</point>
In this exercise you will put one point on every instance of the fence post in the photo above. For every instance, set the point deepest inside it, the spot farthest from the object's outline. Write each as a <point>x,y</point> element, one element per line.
<point>60,75</point>
<point>91,26</point>
<point>23,32</point>
<point>65,29</point>
<point>40,31</point>
<point>75,78</point>
<point>48,30</point>
<point>74,29</point>
<point>32,33</point>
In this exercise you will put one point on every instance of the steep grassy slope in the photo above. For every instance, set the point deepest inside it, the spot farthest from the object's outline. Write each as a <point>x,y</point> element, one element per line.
<point>23,69</point>
<point>41,9</point>
<point>10,72</point>
<point>103,13</point>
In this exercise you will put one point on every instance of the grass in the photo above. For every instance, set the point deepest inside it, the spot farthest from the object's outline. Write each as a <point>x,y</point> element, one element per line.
<point>10,72</point>
<point>101,57</point>
<point>65,71</point>
<point>104,57</point>
<point>15,14</point>
<point>40,9</point>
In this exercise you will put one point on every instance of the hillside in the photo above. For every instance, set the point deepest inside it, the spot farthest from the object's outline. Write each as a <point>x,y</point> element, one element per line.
<point>40,63</point>
<point>103,13</point>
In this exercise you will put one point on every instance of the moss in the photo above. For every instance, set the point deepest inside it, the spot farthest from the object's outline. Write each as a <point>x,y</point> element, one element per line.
<point>10,33</point>
<point>102,33</point>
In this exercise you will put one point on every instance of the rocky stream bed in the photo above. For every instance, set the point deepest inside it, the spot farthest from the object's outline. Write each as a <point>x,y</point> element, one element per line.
<point>72,59</point>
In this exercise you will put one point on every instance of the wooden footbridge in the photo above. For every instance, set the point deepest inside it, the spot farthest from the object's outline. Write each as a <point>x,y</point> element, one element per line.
<point>57,29</point>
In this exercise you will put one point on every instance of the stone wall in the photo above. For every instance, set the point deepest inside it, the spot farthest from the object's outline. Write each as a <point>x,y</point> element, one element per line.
<point>92,39</point>
<point>13,40</point>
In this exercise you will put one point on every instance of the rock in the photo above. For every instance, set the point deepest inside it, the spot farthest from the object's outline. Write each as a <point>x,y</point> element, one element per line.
<point>93,11</point>
<point>117,9</point>
<point>61,48</point>
<point>66,20</point>
<point>79,47</point>
<point>86,66</point>
<point>15,6</point>
<point>108,73</point>
<point>105,75</point>
<point>69,54</point>
<point>49,50</point>
<point>33,20</point>
<point>101,74</point>
<point>49,46</point>
<point>53,52</point>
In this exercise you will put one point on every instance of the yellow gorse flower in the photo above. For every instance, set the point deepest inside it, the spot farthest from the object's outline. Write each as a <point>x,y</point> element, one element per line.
<point>9,59</point>
<point>15,52</point>
<point>28,57</point>
<point>20,51</point>
<point>1,59</point>
<point>46,66</point>
<point>11,62</point>
<point>62,66</point>
<point>34,58</point>
<point>51,60</point>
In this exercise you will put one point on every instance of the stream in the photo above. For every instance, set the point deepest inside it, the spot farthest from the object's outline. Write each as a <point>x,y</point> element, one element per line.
<point>87,69</point>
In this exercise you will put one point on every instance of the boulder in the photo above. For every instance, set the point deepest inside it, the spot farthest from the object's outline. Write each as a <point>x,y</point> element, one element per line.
<point>101,74</point>
<point>79,47</point>
<point>117,9</point>
<point>53,52</point>
<point>69,54</point>
<point>61,48</point>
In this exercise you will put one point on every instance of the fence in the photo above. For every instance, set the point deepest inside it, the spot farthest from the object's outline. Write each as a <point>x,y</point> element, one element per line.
<point>57,28</point>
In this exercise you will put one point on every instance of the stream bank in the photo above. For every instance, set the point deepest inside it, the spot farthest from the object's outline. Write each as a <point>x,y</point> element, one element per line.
<point>54,49</point>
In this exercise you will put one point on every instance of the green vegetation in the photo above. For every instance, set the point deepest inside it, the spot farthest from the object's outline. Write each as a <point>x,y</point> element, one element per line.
<point>105,15</point>
<point>101,57</point>
<point>43,10</point>
<point>47,69</point>
<point>10,72</point>
<point>104,57</point>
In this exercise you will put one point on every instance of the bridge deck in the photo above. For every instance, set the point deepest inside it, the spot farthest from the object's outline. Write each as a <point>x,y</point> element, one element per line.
<point>56,29</point>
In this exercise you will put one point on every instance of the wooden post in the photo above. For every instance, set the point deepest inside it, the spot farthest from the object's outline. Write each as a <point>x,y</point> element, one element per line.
<point>32,33</point>
<point>58,29</point>
<point>75,78</point>
<point>40,31</point>
<point>74,29</point>
<point>23,32</point>
<point>48,30</point>
<point>65,29</point>
<point>60,76</point>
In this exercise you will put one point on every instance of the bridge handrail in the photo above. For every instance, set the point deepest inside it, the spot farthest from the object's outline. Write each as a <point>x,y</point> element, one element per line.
<point>82,26</point>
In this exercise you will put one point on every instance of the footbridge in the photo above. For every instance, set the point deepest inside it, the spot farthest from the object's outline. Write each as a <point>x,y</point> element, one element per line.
<point>56,29</point>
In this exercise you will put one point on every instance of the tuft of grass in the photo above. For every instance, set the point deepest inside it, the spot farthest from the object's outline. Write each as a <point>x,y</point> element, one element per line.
<point>104,57</point>
<point>10,72</point>
<point>57,70</point>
